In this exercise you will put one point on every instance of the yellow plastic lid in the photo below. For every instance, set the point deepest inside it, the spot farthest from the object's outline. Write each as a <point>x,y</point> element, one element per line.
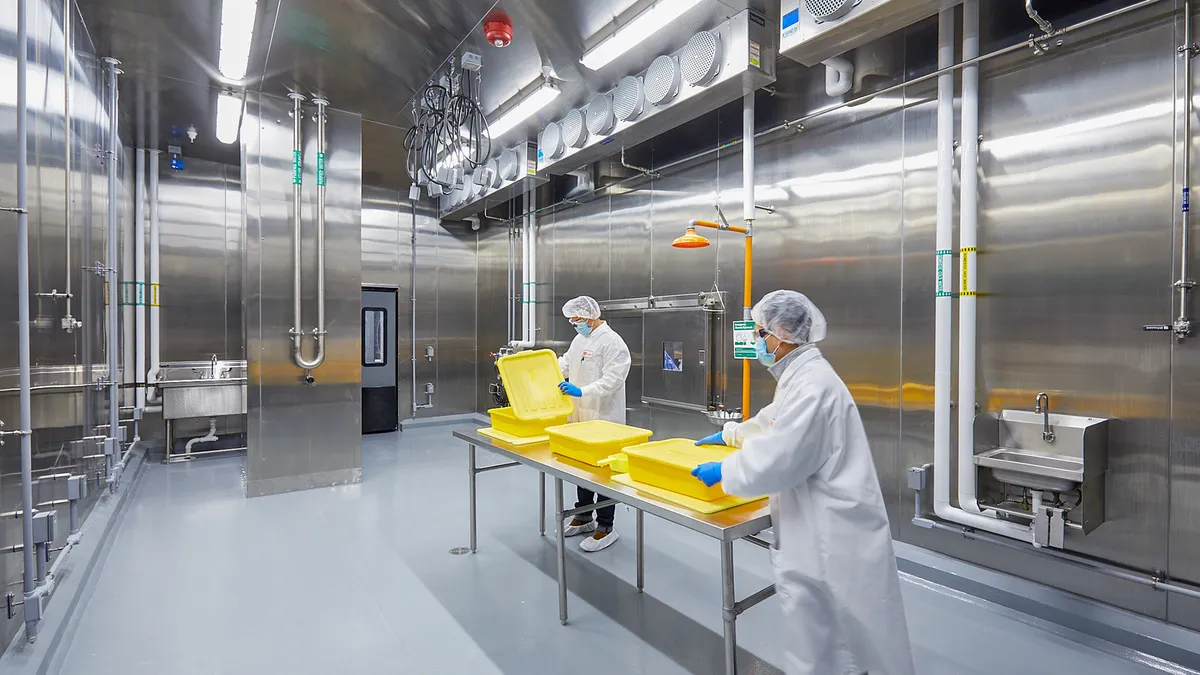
<point>598,432</point>
<point>531,381</point>
<point>679,452</point>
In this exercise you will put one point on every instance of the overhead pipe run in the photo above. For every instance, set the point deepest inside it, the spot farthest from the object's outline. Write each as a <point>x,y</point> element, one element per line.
<point>297,331</point>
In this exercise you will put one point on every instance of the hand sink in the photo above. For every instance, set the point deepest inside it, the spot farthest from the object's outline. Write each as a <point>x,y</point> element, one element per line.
<point>1056,473</point>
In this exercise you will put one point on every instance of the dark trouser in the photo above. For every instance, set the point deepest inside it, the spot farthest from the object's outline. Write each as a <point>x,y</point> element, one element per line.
<point>604,516</point>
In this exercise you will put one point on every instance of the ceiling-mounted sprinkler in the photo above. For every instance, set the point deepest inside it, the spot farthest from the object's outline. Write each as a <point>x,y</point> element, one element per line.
<point>498,28</point>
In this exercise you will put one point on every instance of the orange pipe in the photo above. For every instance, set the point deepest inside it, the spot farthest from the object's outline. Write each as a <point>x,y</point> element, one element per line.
<point>718,226</point>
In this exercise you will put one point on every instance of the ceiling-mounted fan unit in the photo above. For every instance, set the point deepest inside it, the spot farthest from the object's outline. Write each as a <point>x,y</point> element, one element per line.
<point>498,180</point>
<point>715,67</point>
<point>811,31</point>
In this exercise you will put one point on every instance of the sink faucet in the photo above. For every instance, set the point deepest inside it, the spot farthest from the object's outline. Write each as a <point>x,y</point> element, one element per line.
<point>214,375</point>
<point>1042,405</point>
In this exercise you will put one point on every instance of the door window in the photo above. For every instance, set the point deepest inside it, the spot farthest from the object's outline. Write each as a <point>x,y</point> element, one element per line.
<point>374,339</point>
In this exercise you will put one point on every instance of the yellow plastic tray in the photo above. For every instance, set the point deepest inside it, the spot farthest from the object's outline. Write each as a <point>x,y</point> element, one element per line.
<point>699,506</point>
<point>531,380</point>
<point>668,464</point>
<point>504,420</point>
<point>509,439</point>
<point>591,442</point>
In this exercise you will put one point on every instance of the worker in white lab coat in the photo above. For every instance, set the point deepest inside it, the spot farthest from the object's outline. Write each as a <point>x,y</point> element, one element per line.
<point>835,570</point>
<point>595,366</point>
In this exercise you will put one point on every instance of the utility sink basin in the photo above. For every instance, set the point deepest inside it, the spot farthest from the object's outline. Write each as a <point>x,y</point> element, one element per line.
<point>1055,473</point>
<point>203,389</point>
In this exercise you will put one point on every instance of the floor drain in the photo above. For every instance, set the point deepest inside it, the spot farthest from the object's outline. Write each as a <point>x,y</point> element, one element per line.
<point>460,550</point>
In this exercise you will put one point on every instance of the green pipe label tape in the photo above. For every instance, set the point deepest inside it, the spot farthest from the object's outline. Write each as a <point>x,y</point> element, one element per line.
<point>296,172</point>
<point>320,169</point>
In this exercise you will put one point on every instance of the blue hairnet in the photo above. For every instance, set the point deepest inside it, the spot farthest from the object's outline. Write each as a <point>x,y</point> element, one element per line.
<point>791,317</point>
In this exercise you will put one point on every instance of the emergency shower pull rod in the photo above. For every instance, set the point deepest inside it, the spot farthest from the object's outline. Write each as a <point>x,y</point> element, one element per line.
<point>297,333</point>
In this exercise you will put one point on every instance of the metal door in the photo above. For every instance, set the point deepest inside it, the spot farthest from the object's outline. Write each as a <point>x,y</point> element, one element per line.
<point>380,406</point>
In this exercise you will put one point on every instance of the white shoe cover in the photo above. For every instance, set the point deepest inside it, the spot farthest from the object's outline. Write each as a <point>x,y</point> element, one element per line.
<point>570,530</point>
<point>592,544</point>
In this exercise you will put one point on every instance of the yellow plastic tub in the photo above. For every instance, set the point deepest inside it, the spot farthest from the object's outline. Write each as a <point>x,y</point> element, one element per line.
<point>504,420</point>
<point>591,442</point>
<point>668,465</point>
<point>531,380</point>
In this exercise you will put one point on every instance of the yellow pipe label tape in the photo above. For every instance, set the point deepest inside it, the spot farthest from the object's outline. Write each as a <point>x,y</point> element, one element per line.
<point>966,291</point>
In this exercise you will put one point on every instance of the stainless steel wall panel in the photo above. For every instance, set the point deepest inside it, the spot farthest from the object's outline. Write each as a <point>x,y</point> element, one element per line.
<point>381,234</point>
<point>456,345</point>
<point>581,258</point>
<point>200,263</point>
<point>491,319</point>
<point>59,358</point>
<point>677,199</point>
<point>301,436</point>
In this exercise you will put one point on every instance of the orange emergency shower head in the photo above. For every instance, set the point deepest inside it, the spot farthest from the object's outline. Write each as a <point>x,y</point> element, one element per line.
<point>690,239</point>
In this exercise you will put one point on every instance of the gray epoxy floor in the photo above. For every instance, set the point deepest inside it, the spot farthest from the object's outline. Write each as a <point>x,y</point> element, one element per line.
<point>360,580</point>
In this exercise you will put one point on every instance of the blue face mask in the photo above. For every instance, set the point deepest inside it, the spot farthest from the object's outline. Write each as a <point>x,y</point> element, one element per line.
<point>583,328</point>
<point>764,357</point>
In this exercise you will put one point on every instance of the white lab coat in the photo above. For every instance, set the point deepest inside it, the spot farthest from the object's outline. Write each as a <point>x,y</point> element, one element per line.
<point>835,569</point>
<point>598,364</point>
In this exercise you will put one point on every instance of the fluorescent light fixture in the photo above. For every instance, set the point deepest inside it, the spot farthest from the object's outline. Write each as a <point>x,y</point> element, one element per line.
<point>229,116</point>
<point>635,32</point>
<point>522,111</point>
<point>237,31</point>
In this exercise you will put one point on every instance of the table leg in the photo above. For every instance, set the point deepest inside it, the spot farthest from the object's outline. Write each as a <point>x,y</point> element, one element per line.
<point>562,550</point>
<point>170,443</point>
<point>471,482</point>
<point>641,550</point>
<point>542,503</point>
<point>728,613</point>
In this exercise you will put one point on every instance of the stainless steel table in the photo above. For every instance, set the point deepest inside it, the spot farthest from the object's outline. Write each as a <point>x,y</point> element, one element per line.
<point>743,522</point>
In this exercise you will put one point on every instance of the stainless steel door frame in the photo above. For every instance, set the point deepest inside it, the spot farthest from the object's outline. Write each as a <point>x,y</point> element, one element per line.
<point>379,358</point>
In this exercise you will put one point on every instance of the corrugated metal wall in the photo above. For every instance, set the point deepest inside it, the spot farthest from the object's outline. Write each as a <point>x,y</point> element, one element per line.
<point>1078,230</point>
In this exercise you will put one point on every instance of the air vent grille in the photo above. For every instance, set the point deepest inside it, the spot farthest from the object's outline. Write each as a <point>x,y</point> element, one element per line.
<point>600,118</point>
<point>574,132</point>
<point>628,99</point>
<point>701,58</point>
<point>662,80</point>
<point>829,10</point>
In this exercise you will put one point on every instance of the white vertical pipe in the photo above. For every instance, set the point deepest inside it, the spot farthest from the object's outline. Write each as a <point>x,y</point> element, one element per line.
<point>943,328</point>
<point>968,223</point>
<point>139,271</point>
<point>530,209</point>
<point>943,310</point>
<point>114,399</point>
<point>526,272</point>
<point>28,578</point>
<point>128,339</point>
<point>152,296</point>
<point>748,160</point>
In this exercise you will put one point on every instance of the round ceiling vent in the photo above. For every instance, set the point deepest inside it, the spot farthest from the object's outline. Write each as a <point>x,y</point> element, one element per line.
<point>628,99</point>
<point>600,117</point>
<point>829,10</point>
<point>574,132</point>
<point>552,141</point>
<point>492,173</point>
<point>510,164</point>
<point>701,58</point>
<point>662,80</point>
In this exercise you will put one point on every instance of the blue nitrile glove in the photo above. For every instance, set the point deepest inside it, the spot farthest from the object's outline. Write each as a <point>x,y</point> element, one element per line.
<point>570,389</point>
<point>709,473</point>
<point>715,439</point>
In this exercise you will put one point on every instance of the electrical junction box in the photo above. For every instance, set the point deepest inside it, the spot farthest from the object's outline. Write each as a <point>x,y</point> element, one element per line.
<point>471,61</point>
<point>43,526</point>
<point>811,31</point>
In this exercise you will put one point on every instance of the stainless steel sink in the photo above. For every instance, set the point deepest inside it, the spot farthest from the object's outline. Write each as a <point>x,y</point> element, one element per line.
<point>1056,473</point>
<point>203,389</point>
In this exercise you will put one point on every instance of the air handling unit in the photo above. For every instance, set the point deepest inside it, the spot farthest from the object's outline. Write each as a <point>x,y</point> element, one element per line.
<point>498,180</point>
<point>715,67</point>
<point>811,31</point>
